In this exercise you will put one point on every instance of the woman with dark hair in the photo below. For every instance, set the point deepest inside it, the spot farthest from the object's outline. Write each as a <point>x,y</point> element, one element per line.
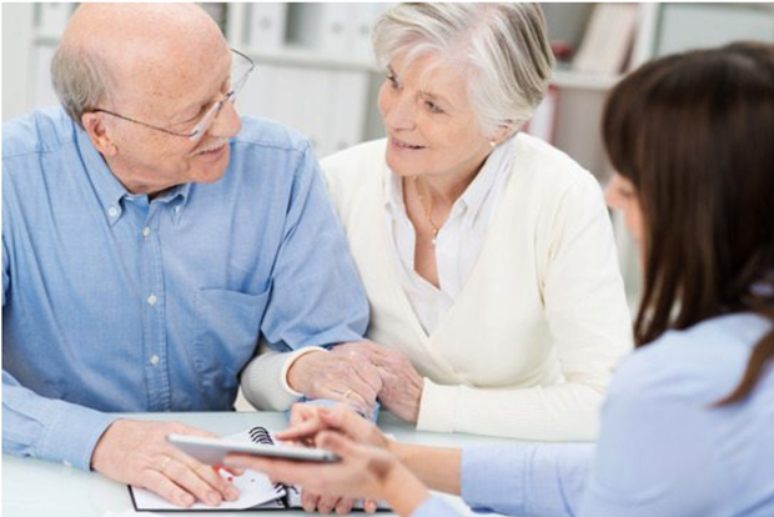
<point>686,426</point>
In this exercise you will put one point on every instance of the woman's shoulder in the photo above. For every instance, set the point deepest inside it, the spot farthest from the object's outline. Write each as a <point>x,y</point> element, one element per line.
<point>549,169</point>
<point>355,160</point>
<point>702,363</point>
<point>353,173</point>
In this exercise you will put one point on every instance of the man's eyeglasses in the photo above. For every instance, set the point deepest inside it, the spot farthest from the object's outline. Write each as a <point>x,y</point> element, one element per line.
<point>240,72</point>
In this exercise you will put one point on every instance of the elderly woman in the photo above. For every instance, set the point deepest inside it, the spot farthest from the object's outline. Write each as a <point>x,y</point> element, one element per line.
<point>497,306</point>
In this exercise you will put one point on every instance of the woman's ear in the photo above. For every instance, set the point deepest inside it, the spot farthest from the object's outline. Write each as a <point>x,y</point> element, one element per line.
<point>505,131</point>
<point>100,137</point>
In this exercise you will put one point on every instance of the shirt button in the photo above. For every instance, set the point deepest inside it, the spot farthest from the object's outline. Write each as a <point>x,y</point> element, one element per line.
<point>152,299</point>
<point>178,208</point>
<point>154,360</point>
<point>113,211</point>
<point>146,232</point>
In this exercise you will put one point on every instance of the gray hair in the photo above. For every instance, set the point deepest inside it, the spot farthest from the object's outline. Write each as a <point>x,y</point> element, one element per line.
<point>81,80</point>
<point>503,47</point>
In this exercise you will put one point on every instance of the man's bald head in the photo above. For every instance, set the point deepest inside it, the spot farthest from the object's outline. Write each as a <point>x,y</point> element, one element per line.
<point>152,47</point>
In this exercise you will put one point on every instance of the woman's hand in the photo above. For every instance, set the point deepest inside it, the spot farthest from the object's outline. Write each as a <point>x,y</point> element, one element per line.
<point>341,376</point>
<point>402,386</point>
<point>306,422</point>
<point>364,471</point>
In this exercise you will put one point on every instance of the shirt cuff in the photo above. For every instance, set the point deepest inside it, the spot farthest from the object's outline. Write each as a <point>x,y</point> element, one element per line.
<point>434,507</point>
<point>73,434</point>
<point>289,363</point>
<point>438,407</point>
<point>492,478</point>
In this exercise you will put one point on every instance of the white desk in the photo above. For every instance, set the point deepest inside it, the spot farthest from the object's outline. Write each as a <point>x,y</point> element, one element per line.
<point>35,488</point>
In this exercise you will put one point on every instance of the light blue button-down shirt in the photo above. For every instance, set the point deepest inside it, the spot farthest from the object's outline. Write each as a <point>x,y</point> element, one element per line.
<point>663,451</point>
<point>115,302</point>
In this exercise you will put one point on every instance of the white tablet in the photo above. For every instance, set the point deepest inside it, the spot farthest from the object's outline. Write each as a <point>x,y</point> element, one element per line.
<point>212,450</point>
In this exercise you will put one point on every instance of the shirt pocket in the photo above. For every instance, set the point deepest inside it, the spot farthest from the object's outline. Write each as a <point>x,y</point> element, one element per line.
<point>225,339</point>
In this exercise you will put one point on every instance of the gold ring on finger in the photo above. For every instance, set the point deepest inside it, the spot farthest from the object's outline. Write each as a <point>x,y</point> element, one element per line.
<point>164,464</point>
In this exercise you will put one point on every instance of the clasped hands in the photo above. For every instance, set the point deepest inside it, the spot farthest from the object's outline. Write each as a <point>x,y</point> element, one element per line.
<point>357,374</point>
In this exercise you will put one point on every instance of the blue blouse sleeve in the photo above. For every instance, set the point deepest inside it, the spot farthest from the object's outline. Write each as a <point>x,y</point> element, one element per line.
<point>526,479</point>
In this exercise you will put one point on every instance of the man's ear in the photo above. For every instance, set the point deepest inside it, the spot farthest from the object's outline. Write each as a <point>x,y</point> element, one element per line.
<point>100,137</point>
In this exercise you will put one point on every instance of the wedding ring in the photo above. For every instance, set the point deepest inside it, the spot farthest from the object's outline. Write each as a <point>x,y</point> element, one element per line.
<point>164,463</point>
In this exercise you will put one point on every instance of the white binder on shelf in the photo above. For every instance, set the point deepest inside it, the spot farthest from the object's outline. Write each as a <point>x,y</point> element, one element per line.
<point>257,97</point>
<point>347,112</point>
<point>317,98</point>
<point>324,27</point>
<point>686,26</point>
<point>52,18</point>
<point>364,17</point>
<point>44,95</point>
<point>266,26</point>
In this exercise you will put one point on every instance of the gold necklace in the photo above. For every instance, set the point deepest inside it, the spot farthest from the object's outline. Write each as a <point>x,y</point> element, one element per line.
<point>427,210</point>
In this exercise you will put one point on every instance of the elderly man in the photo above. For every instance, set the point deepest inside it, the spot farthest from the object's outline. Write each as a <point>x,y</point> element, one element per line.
<point>150,237</point>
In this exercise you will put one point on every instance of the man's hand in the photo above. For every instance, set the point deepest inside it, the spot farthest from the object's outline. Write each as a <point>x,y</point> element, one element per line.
<point>137,453</point>
<point>346,377</point>
<point>402,385</point>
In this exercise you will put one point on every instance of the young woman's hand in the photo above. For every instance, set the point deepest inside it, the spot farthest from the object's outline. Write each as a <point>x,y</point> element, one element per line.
<point>364,471</point>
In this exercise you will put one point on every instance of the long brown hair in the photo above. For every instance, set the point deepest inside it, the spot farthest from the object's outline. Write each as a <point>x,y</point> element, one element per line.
<point>694,133</point>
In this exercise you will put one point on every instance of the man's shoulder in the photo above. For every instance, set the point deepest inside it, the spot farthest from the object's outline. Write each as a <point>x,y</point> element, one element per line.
<point>40,131</point>
<point>264,134</point>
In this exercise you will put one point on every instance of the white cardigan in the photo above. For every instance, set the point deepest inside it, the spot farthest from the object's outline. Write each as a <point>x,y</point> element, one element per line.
<point>527,349</point>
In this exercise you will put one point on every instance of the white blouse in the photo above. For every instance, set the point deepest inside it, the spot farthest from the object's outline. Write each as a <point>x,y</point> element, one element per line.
<point>459,241</point>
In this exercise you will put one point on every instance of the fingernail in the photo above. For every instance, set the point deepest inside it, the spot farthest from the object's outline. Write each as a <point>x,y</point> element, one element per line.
<point>214,498</point>
<point>232,494</point>
<point>187,500</point>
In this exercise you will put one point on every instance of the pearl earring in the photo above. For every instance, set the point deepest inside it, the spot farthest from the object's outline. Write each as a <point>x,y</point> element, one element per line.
<point>492,144</point>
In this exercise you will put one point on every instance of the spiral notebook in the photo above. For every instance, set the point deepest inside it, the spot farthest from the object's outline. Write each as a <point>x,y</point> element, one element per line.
<point>257,491</point>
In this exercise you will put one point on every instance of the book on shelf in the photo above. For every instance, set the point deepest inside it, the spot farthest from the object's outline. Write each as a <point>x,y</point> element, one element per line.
<point>52,18</point>
<point>608,40</point>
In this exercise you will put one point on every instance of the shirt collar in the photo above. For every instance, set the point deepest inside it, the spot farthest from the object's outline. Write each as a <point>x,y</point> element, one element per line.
<point>110,191</point>
<point>496,164</point>
<point>393,193</point>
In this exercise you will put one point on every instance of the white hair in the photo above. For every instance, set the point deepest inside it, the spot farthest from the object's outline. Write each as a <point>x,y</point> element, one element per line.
<point>80,79</point>
<point>503,49</point>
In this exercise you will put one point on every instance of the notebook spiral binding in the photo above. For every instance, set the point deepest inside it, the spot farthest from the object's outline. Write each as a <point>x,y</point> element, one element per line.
<point>260,434</point>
